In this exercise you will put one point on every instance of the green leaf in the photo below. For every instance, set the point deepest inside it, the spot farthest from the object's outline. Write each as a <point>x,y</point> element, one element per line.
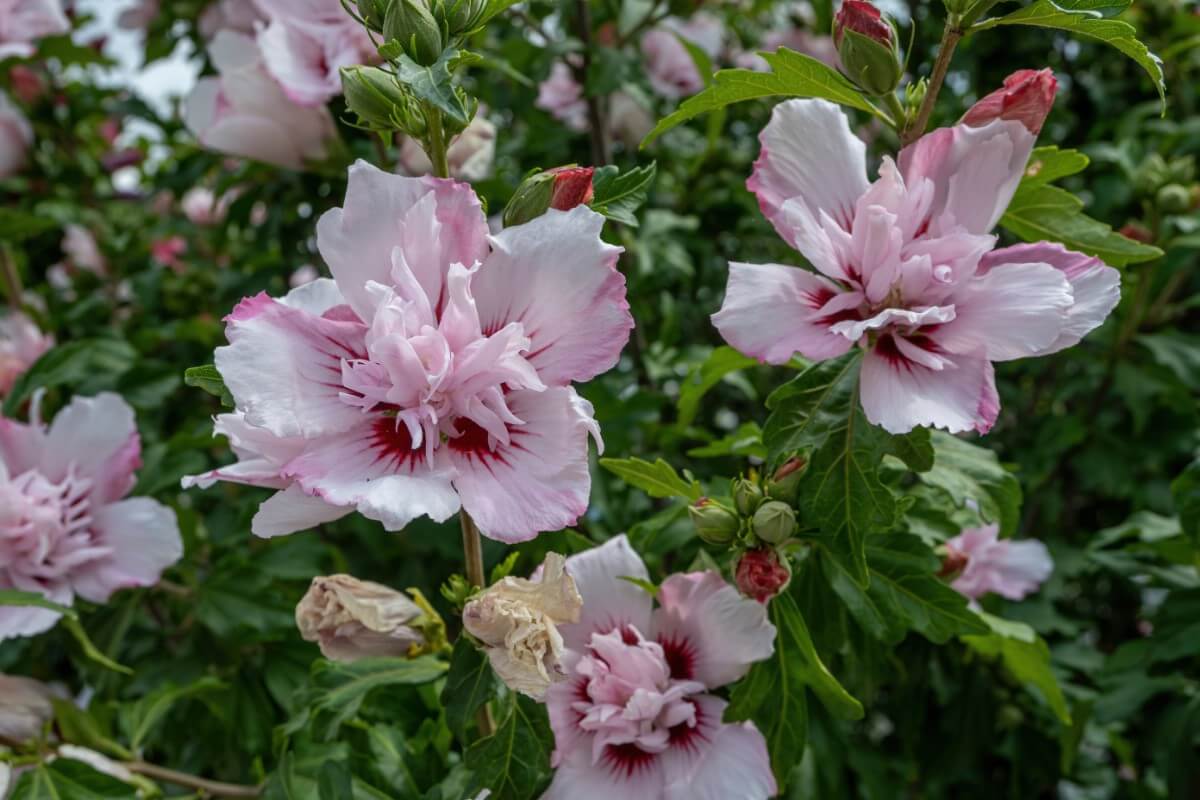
<point>435,84</point>
<point>13,597</point>
<point>68,779</point>
<point>1048,164</point>
<point>721,362</point>
<point>773,692</point>
<point>792,75</point>
<point>657,480</point>
<point>514,762</point>
<point>968,472</point>
<point>142,718</point>
<point>904,594</point>
<point>1025,656</point>
<point>745,442</point>
<point>617,195</point>
<point>17,225</point>
<point>1185,490</point>
<point>469,684</point>
<point>85,363</point>
<point>211,381</point>
<point>77,726</point>
<point>340,689</point>
<point>1087,18</point>
<point>805,409</point>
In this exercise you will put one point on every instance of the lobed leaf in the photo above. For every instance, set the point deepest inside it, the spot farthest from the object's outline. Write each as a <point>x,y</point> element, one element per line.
<point>657,480</point>
<point>619,194</point>
<point>514,762</point>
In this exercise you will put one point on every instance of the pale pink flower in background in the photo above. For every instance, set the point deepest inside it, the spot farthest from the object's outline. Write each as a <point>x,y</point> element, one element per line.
<point>167,251</point>
<point>23,22</point>
<point>239,16</point>
<point>669,66</point>
<point>201,206</point>
<point>306,42</point>
<point>243,112</point>
<point>138,16</point>
<point>634,716</point>
<point>1005,567</point>
<point>470,156</point>
<point>66,527</point>
<point>16,137</point>
<point>21,344</point>
<point>804,42</point>
<point>303,274</point>
<point>628,120</point>
<point>905,267</point>
<point>561,96</point>
<point>434,371</point>
<point>82,250</point>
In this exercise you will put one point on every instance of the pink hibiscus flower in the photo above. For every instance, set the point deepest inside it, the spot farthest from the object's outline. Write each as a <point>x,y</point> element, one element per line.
<point>65,529</point>
<point>21,344</point>
<point>905,266</point>
<point>634,716</point>
<point>669,66</point>
<point>434,371</point>
<point>1008,568</point>
<point>306,42</point>
<point>23,22</point>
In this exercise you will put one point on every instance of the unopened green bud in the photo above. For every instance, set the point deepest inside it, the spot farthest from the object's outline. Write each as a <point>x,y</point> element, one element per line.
<point>412,24</point>
<point>747,494</point>
<point>714,523</point>
<point>462,16</point>
<point>562,188</point>
<point>774,522</point>
<point>374,95</point>
<point>1173,199</point>
<point>372,12</point>
<point>785,483</point>
<point>867,47</point>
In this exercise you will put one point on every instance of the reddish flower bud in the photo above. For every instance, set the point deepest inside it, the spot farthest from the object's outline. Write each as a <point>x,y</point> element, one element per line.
<point>761,574</point>
<point>1137,232</point>
<point>572,187</point>
<point>26,83</point>
<point>864,19</point>
<point>1027,97</point>
<point>954,561</point>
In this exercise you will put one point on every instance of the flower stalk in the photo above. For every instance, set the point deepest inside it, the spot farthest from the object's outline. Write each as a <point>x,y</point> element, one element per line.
<point>950,39</point>
<point>473,555</point>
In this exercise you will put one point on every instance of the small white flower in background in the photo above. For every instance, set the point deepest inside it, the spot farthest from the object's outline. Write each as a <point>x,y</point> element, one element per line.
<point>352,619</point>
<point>24,709</point>
<point>81,249</point>
<point>517,619</point>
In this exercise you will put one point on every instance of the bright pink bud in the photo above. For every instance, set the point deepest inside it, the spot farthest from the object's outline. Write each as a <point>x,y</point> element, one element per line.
<point>862,18</point>
<point>761,575</point>
<point>1027,97</point>
<point>953,562</point>
<point>572,187</point>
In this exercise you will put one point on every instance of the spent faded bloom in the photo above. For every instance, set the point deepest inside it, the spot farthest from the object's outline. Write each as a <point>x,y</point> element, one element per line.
<point>25,709</point>
<point>635,716</point>
<point>1011,569</point>
<point>23,22</point>
<point>905,267</point>
<point>306,42</point>
<point>243,112</point>
<point>16,137</point>
<point>669,66</point>
<point>21,344</point>
<point>433,372</point>
<point>352,619</point>
<point>470,156</point>
<point>66,527</point>
<point>518,619</point>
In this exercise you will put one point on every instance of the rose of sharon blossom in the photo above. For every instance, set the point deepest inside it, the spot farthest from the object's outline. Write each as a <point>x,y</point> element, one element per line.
<point>517,620</point>
<point>16,137</point>
<point>1008,568</point>
<point>352,619</point>
<point>635,717</point>
<point>905,267</point>
<point>562,97</point>
<point>25,708</point>
<point>23,22</point>
<point>243,112</point>
<point>822,48</point>
<point>201,205</point>
<point>1026,97</point>
<point>66,528</point>
<point>306,42</point>
<point>21,344</point>
<point>434,371</point>
<point>470,155</point>
<point>669,66</point>
<point>240,16</point>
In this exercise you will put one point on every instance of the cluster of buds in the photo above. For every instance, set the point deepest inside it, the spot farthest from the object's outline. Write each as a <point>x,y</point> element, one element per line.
<point>562,188</point>
<point>868,48</point>
<point>761,514</point>
<point>1171,185</point>
<point>423,28</point>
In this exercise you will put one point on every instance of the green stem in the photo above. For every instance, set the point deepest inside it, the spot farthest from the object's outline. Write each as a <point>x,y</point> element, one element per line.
<point>209,788</point>
<point>950,38</point>
<point>10,278</point>
<point>898,111</point>
<point>436,141</point>
<point>473,555</point>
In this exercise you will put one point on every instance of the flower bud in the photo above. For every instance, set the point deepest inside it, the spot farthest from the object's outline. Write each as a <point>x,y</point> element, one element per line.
<point>24,708</point>
<point>462,16</point>
<point>747,494</point>
<point>374,96</point>
<point>352,619</point>
<point>1138,232</point>
<point>517,619</point>
<point>412,24</point>
<point>954,561</point>
<point>867,47</point>
<point>1027,97</point>
<point>785,483</point>
<point>372,12</point>
<point>562,188</point>
<point>761,574</point>
<point>1173,199</point>
<point>774,522</point>
<point>714,523</point>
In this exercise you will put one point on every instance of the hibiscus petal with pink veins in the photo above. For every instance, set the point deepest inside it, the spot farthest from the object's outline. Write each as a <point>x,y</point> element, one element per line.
<point>733,763</point>
<point>284,367</point>
<point>899,394</point>
<point>539,481</point>
<point>357,240</point>
<point>625,772</point>
<point>854,330</point>
<point>608,601</point>
<point>808,152</point>
<point>292,510</point>
<point>98,437</point>
<point>710,632</point>
<point>559,279</point>
<point>1095,286</point>
<point>772,312</point>
<point>143,535</point>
